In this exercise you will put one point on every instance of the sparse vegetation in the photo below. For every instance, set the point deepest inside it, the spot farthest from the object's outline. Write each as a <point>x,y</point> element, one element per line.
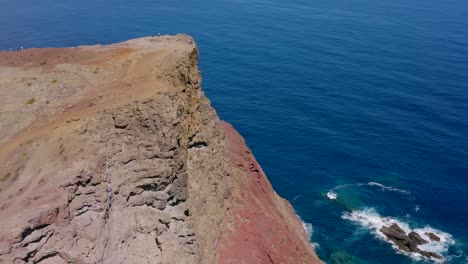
<point>54,81</point>
<point>5,177</point>
<point>31,101</point>
<point>62,149</point>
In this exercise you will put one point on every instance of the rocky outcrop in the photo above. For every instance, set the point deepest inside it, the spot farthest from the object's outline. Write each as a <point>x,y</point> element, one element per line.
<point>112,154</point>
<point>407,242</point>
<point>432,236</point>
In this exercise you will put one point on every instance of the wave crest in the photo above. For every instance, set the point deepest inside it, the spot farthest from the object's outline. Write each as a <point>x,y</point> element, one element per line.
<point>332,195</point>
<point>309,229</point>
<point>388,188</point>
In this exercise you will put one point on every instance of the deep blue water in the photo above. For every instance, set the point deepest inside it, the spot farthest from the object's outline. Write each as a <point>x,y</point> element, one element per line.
<point>329,94</point>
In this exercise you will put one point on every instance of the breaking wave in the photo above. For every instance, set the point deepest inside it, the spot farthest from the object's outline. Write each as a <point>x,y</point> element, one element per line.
<point>332,195</point>
<point>370,219</point>
<point>309,231</point>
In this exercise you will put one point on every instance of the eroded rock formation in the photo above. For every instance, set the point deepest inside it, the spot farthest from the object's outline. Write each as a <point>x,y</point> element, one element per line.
<point>409,242</point>
<point>112,154</point>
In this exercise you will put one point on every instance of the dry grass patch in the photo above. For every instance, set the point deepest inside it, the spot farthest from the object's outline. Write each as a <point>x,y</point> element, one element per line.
<point>5,177</point>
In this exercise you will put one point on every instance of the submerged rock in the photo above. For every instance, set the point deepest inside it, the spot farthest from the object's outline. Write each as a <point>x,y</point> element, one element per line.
<point>341,257</point>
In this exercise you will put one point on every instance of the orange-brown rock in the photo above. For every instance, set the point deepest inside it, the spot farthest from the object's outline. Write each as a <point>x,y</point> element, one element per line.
<point>112,154</point>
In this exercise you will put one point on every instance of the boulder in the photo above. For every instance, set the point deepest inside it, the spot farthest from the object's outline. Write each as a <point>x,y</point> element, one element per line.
<point>416,238</point>
<point>394,231</point>
<point>399,238</point>
<point>432,236</point>
<point>409,242</point>
<point>431,255</point>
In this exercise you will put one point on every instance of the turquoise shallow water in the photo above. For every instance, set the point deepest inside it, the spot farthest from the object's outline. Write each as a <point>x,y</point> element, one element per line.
<point>365,100</point>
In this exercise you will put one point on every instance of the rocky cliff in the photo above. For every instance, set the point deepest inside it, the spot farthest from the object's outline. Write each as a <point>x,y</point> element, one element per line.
<point>112,154</point>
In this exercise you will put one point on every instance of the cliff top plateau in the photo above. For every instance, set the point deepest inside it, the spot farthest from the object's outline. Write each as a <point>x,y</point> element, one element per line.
<point>112,154</point>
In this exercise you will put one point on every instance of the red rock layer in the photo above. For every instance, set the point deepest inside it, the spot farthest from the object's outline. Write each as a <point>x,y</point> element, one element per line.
<point>263,227</point>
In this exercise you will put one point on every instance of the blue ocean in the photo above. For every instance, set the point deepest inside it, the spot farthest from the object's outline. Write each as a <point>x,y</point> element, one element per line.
<point>357,110</point>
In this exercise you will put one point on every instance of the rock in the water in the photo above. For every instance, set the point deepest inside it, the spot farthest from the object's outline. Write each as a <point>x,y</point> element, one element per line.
<point>394,231</point>
<point>432,236</point>
<point>431,255</point>
<point>408,242</point>
<point>416,238</point>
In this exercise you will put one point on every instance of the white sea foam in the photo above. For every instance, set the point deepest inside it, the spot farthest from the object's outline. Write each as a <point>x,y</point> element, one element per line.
<point>417,208</point>
<point>372,184</point>
<point>309,231</point>
<point>388,188</point>
<point>442,246</point>
<point>347,185</point>
<point>370,219</point>
<point>332,195</point>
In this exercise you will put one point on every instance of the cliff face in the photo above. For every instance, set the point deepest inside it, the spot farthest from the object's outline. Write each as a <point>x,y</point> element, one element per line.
<point>112,154</point>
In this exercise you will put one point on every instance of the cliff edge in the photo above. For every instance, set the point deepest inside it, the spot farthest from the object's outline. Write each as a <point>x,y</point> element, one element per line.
<point>112,154</point>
